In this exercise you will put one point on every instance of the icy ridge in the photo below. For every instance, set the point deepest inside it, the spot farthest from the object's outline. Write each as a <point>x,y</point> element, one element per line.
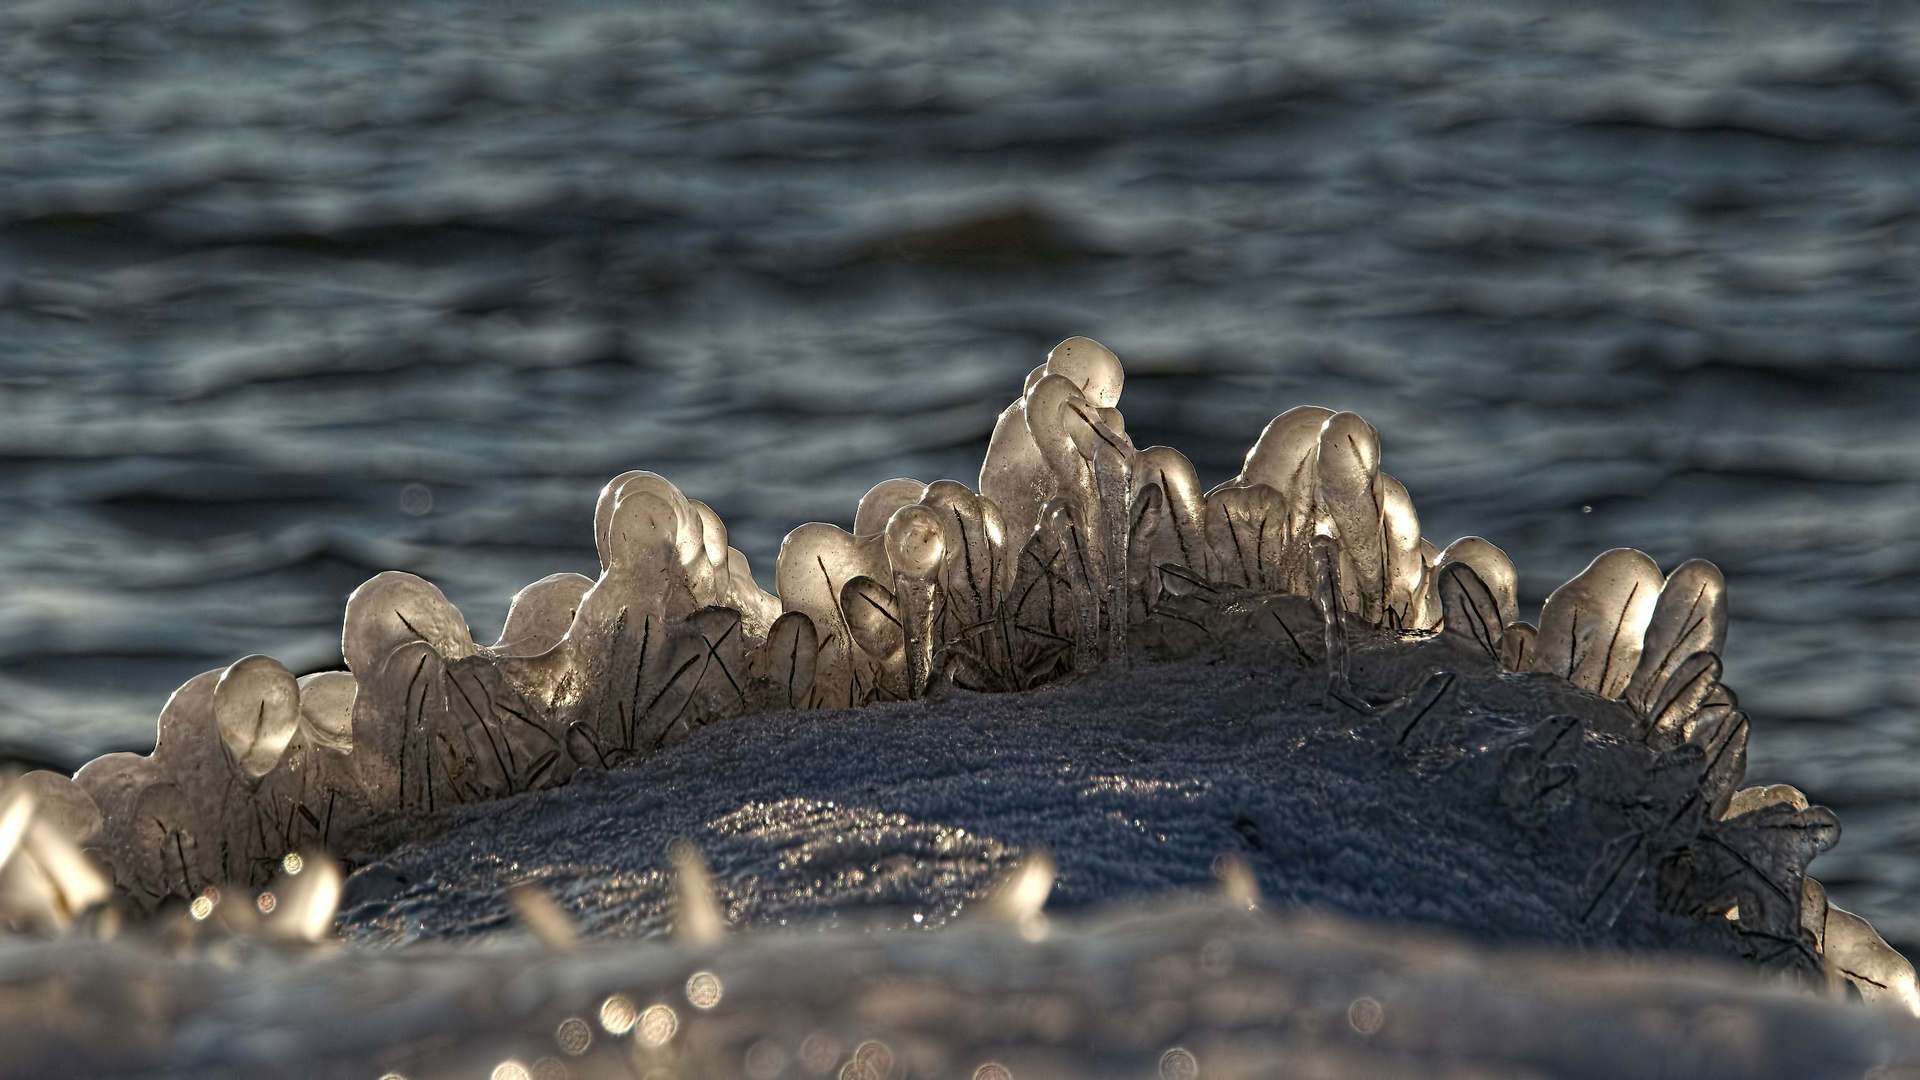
<point>1077,552</point>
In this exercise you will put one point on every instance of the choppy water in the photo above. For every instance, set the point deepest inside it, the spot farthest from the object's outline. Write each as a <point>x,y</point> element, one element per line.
<point>289,295</point>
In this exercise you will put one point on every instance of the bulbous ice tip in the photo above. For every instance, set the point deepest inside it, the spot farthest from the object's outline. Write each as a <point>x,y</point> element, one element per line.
<point>1052,421</point>
<point>257,705</point>
<point>915,543</point>
<point>1349,448</point>
<point>640,523</point>
<point>881,500</point>
<point>393,608</point>
<point>685,529</point>
<point>326,704</point>
<point>1090,366</point>
<point>1286,445</point>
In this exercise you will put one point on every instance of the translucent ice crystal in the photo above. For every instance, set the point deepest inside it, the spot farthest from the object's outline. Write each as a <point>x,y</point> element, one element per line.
<point>257,705</point>
<point>1593,627</point>
<point>1348,464</point>
<point>1496,574</point>
<point>541,614</point>
<point>916,547</point>
<point>881,500</point>
<point>1286,458</point>
<point>816,563</point>
<point>1182,538</point>
<point>394,608</point>
<point>1860,954</point>
<point>1689,618</point>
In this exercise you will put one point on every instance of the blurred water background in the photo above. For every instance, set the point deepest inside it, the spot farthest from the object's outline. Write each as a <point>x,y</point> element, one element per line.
<point>291,294</point>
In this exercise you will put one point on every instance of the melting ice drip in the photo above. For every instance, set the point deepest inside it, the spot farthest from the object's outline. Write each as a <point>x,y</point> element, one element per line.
<point>1077,552</point>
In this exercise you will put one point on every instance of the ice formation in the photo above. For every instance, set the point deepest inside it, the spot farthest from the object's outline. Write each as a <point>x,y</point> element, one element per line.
<point>1077,552</point>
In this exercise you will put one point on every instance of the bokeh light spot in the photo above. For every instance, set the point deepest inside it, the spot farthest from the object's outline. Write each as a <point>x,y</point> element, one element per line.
<point>1179,1064</point>
<point>875,1060</point>
<point>617,1014</point>
<point>574,1035</point>
<point>1366,1015</point>
<point>819,1052</point>
<point>657,1025</point>
<point>766,1059</point>
<point>704,990</point>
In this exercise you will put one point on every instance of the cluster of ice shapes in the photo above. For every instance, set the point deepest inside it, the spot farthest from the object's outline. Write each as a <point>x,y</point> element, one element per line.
<point>1074,542</point>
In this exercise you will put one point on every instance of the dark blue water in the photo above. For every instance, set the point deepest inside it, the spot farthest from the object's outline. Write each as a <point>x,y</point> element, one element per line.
<point>293,294</point>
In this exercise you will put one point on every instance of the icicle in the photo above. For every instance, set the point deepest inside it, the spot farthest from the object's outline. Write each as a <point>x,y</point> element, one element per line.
<point>977,573</point>
<point>1183,539</point>
<point>1013,474</point>
<point>1690,617</point>
<point>326,708</point>
<point>1094,470</point>
<point>1021,475</point>
<point>114,782</point>
<point>1747,800</point>
<point>1471,610</point>
<point>874,622</point>
<point>816,562</point>
<point>780,673</point>
<point>1495,572</point>
<point>64,804</point>
<point>1327,595</point>
<point>1426,606</point>
<point>1143,574</point>
<point>1286,458</point>
<point>1348,465</point>
<point>1517,646</point>
<point>1038,623</point>
<point>257,705</point>
<point>1082,579</point>
<point>1112,460</point>
<point>1247,541</point>
<point>1592,628</point>
<point>1405,570</point>
<point>1671,716</point>
<point>916,548</point>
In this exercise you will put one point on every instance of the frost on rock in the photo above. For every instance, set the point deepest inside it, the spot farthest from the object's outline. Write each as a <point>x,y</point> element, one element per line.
<point>1076,552</point>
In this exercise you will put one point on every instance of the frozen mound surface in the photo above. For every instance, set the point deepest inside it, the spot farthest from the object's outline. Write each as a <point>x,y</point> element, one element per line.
<point>1134,782</point>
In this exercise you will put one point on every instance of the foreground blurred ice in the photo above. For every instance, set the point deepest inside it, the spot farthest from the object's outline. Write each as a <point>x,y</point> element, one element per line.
<point>1201,987</point>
